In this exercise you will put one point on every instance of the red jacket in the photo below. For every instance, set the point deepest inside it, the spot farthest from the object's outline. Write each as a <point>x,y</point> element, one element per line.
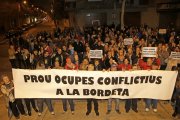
<point>143,65</point>
<point>49,50</point>
<point>69,68</point>
<point>125,67</point>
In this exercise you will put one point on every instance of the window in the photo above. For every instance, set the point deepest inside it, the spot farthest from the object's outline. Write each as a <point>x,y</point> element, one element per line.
<point>131,2</point>
<point>143,2</point>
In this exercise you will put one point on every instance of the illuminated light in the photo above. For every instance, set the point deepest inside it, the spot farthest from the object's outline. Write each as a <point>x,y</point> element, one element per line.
<point>35,19</point>
<point>25,2</point>
<point>88,14</point>
<point>52,10</point>
<point>28,20</point>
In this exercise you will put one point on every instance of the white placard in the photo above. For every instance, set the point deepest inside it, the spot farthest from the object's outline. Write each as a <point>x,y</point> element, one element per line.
<point>96,54</point>
<point>149,51</point>
<point>162,31</point>
<point>128,41</point>
<point>175,55</point>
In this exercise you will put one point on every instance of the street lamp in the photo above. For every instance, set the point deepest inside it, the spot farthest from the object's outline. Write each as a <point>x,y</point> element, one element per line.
<point>25,2</point>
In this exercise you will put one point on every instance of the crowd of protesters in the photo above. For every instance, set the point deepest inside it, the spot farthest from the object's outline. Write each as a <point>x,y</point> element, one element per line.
<point>70,49</point>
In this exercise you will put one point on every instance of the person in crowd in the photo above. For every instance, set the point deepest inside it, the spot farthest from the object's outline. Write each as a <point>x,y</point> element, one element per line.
<point>57,65</point>
<point>89,101</point>
<point>153,102</point>
<point>41,101</point>
<point>12,56</point>
<point>176,96</point>
<point>177,99</point>
<point>26,57</point>
<point>163,56</point>
<point>121,56</point>
<point>69,66</point>
<point>136,55</point>
<point>97,65</point>
<point>47,60</point>
<point>76,59</point>
<point>84,64</point>
<point>19,58</point>
<point>117,100</point>
<point>107,60</point>
<point>78,47</point>
<point>47,48</point>
<point>41,51</point>
<point>125,66</point>
<point>128,102</point>
<point>28,103</point>
<point>98,46</point>
<point>15,105</point>
<point>132,103</point>
<point>71,50</point>
<point>106,48</point>
<point>87,53</point>
<point>129,54</point>
<point>64,50</point>
<point>147,65</point>
<point>152,63</point>
<point>33,59</point>
<point>59,57</point>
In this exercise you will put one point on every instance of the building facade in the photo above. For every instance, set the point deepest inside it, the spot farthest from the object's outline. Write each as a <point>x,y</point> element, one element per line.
<point>155,13</point>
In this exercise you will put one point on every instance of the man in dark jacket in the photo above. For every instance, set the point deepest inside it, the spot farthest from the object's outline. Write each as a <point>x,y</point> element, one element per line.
<point>59,57</point>
<point>47,60</point>
<point>79,48</point>
<point>177,99</point>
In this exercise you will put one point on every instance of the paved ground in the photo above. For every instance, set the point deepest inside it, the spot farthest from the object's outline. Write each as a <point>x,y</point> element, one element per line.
<point>164,110</point>
<point>164,113</point>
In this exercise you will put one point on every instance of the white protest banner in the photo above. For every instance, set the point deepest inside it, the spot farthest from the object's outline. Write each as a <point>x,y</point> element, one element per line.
<point>53,83</point>
<point>149,51</point>
<point>128,41</point>
<point>162,31</point>
<point>175,55</point>
<point>96,53</point>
